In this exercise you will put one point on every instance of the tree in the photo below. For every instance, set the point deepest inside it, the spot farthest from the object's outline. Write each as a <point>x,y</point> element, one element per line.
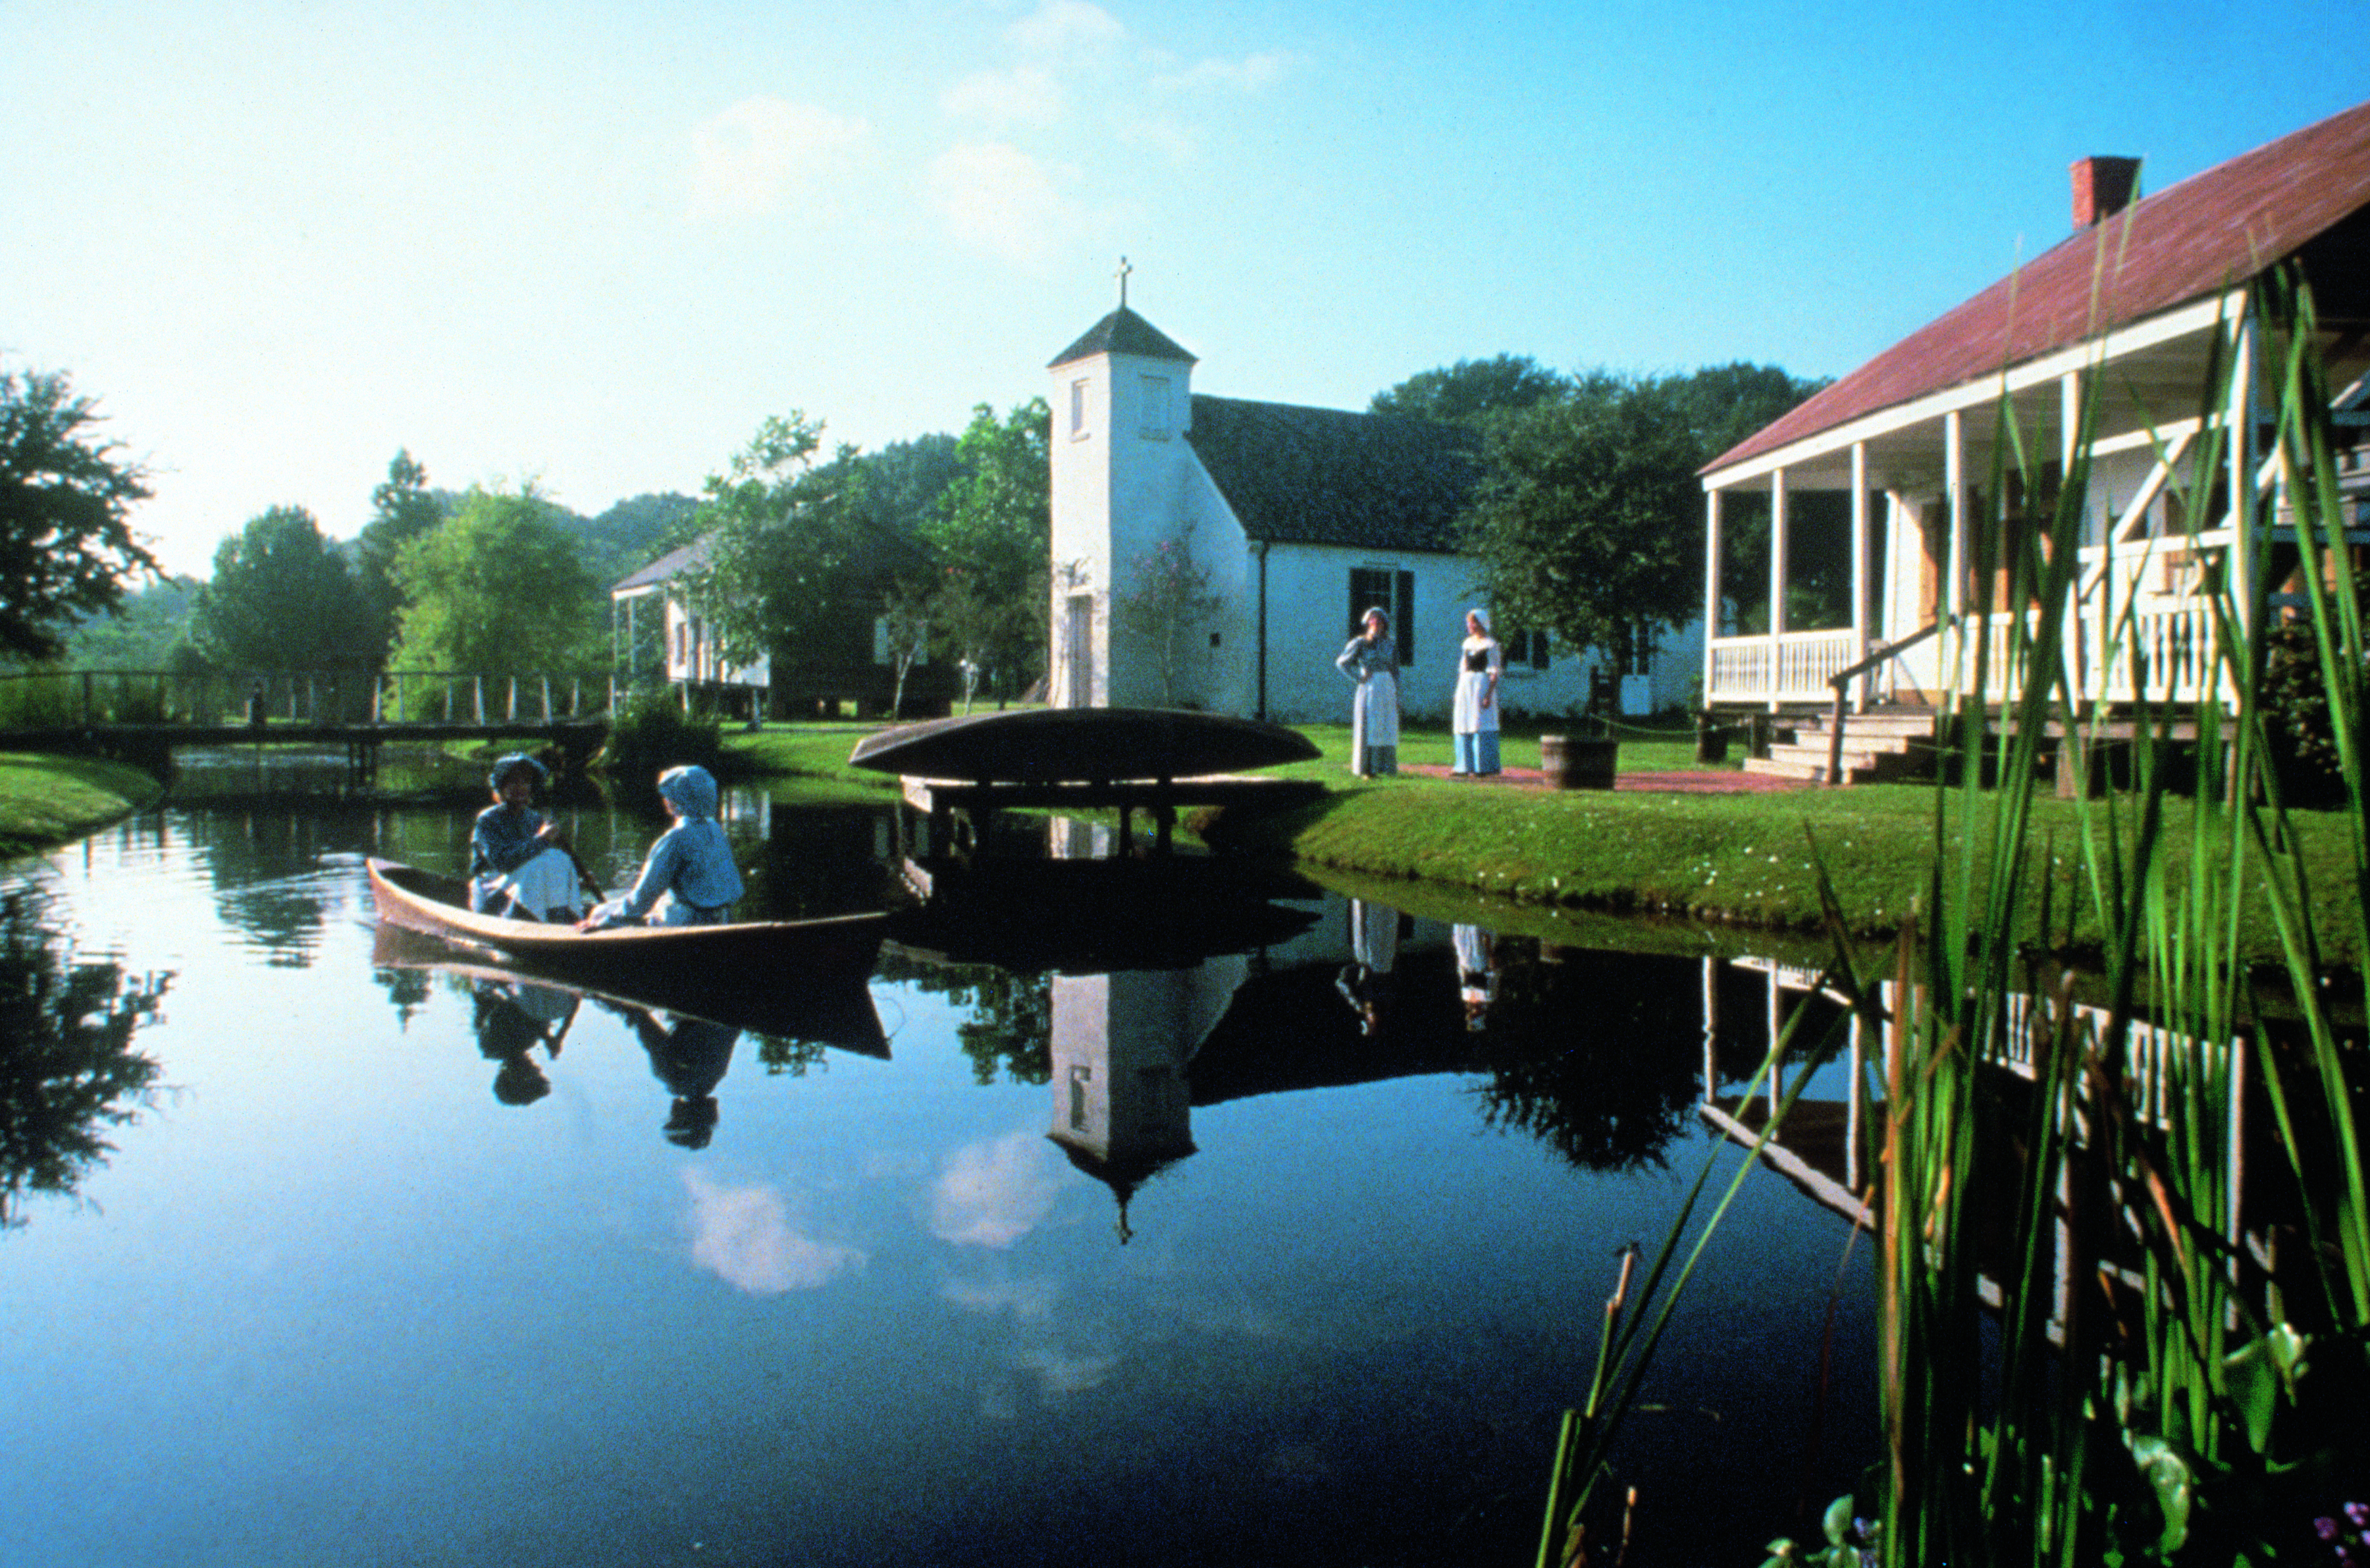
<point>150,625</point>
<point>1472,391</point>
<point>1589,519</point>
<point>992,532</point>
<point>905,621</point>
<point>283,598</point>
<point>401,510</point>
<point>66,546</point>
<point>799,553</point>
<point>1166,605</point>
<point>497,589</point>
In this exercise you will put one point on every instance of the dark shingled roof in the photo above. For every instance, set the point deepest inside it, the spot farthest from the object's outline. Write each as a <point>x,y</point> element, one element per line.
<point>2203,235</point>
<point>1122,333</point>
<point>1297,475</point>
<point>667,566</point>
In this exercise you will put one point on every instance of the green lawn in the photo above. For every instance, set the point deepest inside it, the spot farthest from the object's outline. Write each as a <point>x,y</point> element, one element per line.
<point>48,800</point>
<point>1748,859</point>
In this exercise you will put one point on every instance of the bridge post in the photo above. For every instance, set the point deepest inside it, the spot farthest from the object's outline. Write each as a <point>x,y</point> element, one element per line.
<point>510,714</point>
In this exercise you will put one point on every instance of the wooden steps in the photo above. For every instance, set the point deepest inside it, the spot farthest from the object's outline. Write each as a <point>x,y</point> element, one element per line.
<point>1879,745</point>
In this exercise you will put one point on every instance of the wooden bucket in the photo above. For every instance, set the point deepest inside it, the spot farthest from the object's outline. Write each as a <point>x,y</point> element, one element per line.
<point>1575,762</point>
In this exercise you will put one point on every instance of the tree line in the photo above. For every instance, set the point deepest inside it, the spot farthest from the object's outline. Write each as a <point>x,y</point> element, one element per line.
<point>1589,516</point>
<point>803,554</point>
<point>1587,519</point>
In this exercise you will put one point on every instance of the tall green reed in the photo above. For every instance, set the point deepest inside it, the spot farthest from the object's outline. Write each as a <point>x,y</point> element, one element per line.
<point>2147,1385</point>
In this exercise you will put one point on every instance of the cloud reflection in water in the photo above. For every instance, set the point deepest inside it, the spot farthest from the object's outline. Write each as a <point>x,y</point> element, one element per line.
<point>743,1234</point>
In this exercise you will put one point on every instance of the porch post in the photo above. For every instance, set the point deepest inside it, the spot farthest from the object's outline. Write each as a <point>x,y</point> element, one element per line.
<point>1712,588</point>
<point>1954,496</point>
<point>1776,582</point>
<point>2071,651</point>
<point>1860,570</point>
<point>2240,421</point>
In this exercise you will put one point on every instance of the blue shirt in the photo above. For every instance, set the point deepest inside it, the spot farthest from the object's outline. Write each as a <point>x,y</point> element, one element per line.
<point>694,861</point>
<point>503,840</point>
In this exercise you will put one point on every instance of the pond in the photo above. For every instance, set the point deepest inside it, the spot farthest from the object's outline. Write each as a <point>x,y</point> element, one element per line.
<point>1206,1228</point>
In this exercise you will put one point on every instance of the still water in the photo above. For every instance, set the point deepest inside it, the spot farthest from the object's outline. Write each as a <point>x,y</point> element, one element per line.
<point>1281,1247</point>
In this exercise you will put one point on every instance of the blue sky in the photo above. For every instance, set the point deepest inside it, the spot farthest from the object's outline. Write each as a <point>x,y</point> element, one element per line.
<point>595,245</point>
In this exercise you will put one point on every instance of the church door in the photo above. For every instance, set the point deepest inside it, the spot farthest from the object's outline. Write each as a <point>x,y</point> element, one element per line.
<point>1079,651</point>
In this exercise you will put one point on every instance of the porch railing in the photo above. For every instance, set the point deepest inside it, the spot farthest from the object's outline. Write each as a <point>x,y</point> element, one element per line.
<point>1796,666</point>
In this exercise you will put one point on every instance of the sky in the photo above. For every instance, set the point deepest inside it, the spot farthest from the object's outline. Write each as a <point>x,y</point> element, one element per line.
<point>593,246</point>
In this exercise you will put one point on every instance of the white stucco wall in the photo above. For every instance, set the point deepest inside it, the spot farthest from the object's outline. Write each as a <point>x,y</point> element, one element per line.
<point>1125,480</point>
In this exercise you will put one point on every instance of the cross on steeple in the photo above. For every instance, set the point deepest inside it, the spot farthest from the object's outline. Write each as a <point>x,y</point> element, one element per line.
<point>1122,275</point>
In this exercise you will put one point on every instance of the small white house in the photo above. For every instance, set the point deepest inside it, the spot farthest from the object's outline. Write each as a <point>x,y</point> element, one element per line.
<point>689,655</point>
<point>1292,521</point>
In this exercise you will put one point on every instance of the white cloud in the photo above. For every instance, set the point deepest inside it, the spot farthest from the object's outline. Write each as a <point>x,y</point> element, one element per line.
<point>750,158</point>
<point>1027,94</point>
<point>743,1234</point>
<point>1060,1372</point>
<point>1029,1300</point>
<point>990,1195</point>
<point>997,198</point>
<point>1060,27</point>
<point>1249,75</point>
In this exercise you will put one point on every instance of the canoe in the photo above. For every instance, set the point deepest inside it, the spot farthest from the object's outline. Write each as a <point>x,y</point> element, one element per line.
<point>1067,746</point>
<point>834,1009</point>
<point>841,946</point>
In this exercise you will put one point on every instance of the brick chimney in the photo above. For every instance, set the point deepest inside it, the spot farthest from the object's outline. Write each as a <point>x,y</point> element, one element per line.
<point>2104,187</point>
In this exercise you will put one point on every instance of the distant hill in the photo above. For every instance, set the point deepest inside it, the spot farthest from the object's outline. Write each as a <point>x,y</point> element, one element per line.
<point>629,535</point>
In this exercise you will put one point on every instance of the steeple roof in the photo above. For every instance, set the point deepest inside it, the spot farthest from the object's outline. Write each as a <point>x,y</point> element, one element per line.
<point>1122,333</point>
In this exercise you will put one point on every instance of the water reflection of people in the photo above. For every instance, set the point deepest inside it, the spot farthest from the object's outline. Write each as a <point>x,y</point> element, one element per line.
<point>688,877</point>
<point>1370,981</point>
<point>690,1055</point>
<point>1477,972</point>
<point>511,1019</point>
<point>519,862</point>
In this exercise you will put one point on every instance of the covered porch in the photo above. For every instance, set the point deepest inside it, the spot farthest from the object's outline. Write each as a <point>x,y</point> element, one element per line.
<point>1941,492</point>
<point>2140,337</point>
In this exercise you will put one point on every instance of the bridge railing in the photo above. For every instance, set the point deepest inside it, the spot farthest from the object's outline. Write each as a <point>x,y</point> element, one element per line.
<point>73,698</point>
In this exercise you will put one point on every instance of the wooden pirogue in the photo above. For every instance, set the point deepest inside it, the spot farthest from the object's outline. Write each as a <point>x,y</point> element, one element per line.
<point>1055,746</point>
<point>1122,759</point>
<point>834,1009</point>
<point>838,947</point>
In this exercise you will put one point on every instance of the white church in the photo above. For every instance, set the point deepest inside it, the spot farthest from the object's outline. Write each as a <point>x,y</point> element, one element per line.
<point>1296,520</point>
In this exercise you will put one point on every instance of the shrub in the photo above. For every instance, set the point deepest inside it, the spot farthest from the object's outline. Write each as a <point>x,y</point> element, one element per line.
<point>650,734</point>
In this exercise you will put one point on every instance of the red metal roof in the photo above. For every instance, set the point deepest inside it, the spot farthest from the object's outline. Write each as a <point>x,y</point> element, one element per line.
<point>2189,240</point>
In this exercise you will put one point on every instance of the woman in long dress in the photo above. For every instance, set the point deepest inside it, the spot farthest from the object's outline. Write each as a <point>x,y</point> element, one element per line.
<point>1480,662</point>
<point>1372,662</point>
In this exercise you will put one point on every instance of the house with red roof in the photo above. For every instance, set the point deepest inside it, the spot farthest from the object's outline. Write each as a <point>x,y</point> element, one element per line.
<point>2144,321</point>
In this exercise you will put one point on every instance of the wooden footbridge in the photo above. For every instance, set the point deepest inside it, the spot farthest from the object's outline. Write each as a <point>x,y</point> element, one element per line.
<point>147,714</point>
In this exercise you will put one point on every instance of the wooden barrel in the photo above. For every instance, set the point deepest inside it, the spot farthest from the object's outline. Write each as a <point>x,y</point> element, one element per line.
<point>1575,762</point>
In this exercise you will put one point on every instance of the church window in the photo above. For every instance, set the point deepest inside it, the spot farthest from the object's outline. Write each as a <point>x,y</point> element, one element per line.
<point>1152,421</point>
<point>1077,409</point>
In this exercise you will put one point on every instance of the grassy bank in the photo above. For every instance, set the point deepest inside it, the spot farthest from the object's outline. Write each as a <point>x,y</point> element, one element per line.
<point>1748,859</point>
<point>49,801</point>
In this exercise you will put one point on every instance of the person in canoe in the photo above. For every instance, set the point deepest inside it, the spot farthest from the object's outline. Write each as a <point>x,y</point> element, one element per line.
<point>689,877</point>
<point>519,862</point>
